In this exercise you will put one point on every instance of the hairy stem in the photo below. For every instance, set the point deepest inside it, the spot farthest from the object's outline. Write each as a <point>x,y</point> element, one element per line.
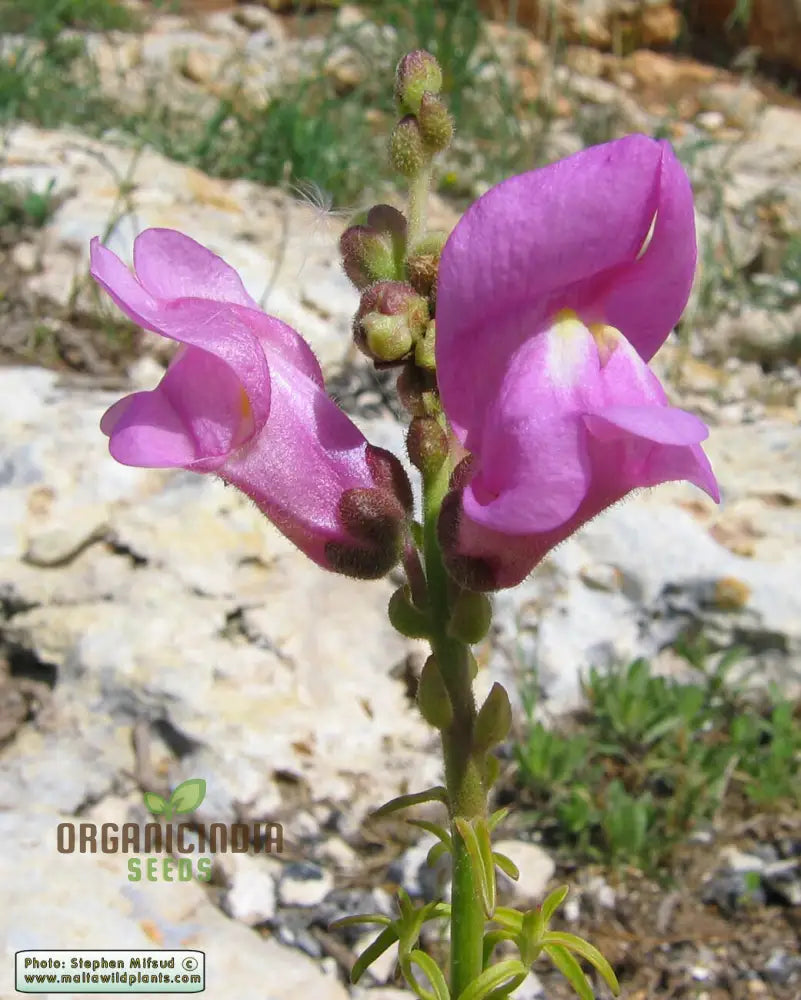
<point>418,201</point>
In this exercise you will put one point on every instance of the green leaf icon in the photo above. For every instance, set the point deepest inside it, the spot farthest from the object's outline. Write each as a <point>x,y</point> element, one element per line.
<point>155,803</point>
<point>188,795</point>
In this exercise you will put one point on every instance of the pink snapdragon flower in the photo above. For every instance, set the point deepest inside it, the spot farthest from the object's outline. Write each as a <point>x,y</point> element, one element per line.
<point>554,291</point>
<point>244,399</point>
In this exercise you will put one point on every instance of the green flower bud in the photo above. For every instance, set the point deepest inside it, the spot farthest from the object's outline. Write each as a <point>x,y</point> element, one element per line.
<point>390,318</point>
<point>424,348</point>
<point>432,696</point>
<point>374,251</point>
<point>422,263</point>
<point>411,387</point>
<point>387,338</point>
<point>404,616</point>
<point>427,444</point>
<point>471,617</point>
<point>390,223</point>
<point>416,73</point>
<point>407,152</point>
<point>366,256</point>
<point>436,124</point>
<point>494,720</point>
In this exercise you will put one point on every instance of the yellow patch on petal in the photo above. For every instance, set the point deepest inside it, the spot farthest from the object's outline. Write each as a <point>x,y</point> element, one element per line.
<point>607,338</point>
<point>568,348</point>
<point>244,405</point>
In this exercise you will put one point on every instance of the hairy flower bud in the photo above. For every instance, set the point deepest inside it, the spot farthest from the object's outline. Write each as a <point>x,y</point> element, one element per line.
<point>387,338</point>
<point>422,263</point>
<point>390,318</point>
<point>436,124</point>
<point>412,388</point>
<point>432,696</point>
<point>407,150</point>
<point>366,256</point>
<point>416,73</point>
<point>374,251</point>
<point>427,444</point>
<point>389,221</point>
<point>494,720</point>
<point>424,348</point>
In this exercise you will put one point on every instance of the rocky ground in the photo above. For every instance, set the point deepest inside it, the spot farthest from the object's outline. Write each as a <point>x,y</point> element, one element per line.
<point>153,627</point>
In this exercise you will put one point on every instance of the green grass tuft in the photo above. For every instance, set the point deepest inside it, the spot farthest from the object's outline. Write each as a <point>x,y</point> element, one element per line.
<point>655,758</point>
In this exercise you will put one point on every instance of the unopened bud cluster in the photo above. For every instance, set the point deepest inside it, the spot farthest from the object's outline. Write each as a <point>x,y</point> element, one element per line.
<point>394,263</point>
<point>426,126</point>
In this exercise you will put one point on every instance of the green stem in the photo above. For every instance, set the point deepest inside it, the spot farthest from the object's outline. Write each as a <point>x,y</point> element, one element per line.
<point>464,781</point>
<point>418,201</point>
<point>467,922</point>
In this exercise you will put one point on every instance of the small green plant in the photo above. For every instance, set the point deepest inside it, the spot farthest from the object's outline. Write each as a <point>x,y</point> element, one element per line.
<point>657,756</point>
<point>21,207</point>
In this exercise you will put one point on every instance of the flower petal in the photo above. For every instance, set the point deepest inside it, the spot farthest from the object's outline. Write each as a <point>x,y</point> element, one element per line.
<point>567,236</point>
<point>144,430</point>
<point>195,416</point>
<point>276,337</point>
<point>579,422</point>
<point>171,265</point>
<point>647,298</point>
<point>226,331</point>
<point>533,469</point>
<point>534,244</point>
<point>128,294</point>
<point>306,456</point>
<point>663,424</point>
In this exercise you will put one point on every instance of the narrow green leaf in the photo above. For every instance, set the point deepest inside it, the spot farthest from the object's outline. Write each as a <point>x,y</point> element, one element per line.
<point>405,905</point>
<point>468,834</point>
<point>488,865</point>
<point>491,940</point>
<point>435,910</point>
<point>436,852</point>
<point>155,803</point>
<point>385,939</point>
<point>433,974</point>
<point>508,918</point>
<point>435,828</point>
<point>506,865</point>
<point>509,974</point>
<point>381,919</point>
<point>530,937</point>
<point>497,817</point>
<point>588,952</point>
<point>188,795</point>
<point>552,902</point>
<point>435,794</point>
<point>571,970</point>
<point>503,991</point>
